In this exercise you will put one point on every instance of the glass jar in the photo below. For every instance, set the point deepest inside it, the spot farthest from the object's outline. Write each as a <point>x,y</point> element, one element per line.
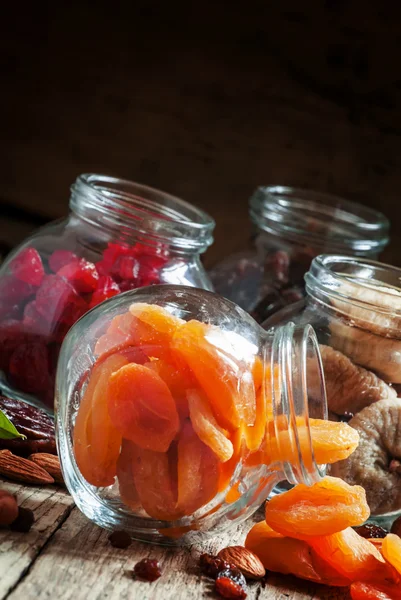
<point>118,236</point>
<point>354,305</point>
<point>291,227</point>
<point>176,414</point>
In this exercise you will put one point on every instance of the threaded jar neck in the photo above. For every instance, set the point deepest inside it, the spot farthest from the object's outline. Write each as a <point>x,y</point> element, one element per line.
<point>298,396</point>
<point>322,221</point>
<point>141,213</point>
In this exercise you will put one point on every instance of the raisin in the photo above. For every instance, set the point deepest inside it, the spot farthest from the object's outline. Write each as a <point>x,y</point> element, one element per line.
<point>61,258</point>
<point>211,565</point>
<point>147,569</point>
<point>396,527</point>
<point>24,521</point>
<point>370,530</point>
<point>230,583</point>
<point>27,266</point>
<point>120,539</point>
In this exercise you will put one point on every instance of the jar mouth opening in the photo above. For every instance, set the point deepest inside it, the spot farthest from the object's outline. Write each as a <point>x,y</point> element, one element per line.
<point>320,220</point>
<point>135,209</point>
<point>349,281</point>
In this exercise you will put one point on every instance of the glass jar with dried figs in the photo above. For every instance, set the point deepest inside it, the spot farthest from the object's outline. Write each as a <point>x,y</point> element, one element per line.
<point>354,306</point>
<point>119,236</point>
<point>291,227</point>
<point>177,413</point>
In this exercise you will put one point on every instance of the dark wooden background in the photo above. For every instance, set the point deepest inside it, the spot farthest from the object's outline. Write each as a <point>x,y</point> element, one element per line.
<point>204,100</point>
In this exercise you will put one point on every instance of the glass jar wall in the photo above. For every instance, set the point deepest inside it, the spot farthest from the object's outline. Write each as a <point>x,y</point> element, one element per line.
<point>354,306</point>
<point>118,236</point>
<point>177,414</point>
<point>291,227</point>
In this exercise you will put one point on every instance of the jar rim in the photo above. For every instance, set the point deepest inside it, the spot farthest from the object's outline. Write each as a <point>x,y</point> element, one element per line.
<point>319,219</point>
<point>155,216</point>
<point>345,278</point>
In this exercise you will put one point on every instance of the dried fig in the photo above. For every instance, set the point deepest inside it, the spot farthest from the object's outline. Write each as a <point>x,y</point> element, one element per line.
<point>380,354</point>
<point>349,387</point>
<point>375,308</point>
<point>376,463</point>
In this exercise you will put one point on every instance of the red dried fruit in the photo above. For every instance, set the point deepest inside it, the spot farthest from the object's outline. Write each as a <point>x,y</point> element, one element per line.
<point>369,530</point>
<point>110,256</point>
<point>8,508</point>
<point>33,320</point>
<point>14,290</point>
<point>11,336</point>
<point>120,539</point>
<point>147,569</point>
<point>60,258</point>
<point>106,288</point>
<point>56,300</point>
<point>126,267</point>
<point>9,311</point>
<point>29,367</point>
<point>27,266</point>
<point>211,565</point>
<point>82,275</point>
<point>230,583</point>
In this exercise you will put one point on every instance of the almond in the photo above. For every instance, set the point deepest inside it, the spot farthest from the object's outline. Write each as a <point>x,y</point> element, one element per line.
<point>22,470</point>
<point>50,463</point>
<point>245,560</point>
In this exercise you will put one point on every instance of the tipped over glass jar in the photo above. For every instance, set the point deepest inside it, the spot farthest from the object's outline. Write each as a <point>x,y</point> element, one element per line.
<point>291,227</point>
<point>118,236</point>
<point>177,413</point>
<point>354,305</point>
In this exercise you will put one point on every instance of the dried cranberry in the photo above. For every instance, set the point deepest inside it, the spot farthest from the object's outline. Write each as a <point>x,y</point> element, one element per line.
<point>27,266</point>
<point>106,288</point>
<point>110,256</point>
<point>126,267</point>
<point>60,258</point>
<point>53,296</point>
<point>120,539</point>
<point>127,285</point>
<point>29,367</point>
<point>82,275</point>
<point>211,565</point>
<point>33,320</point>
<point>147,569</point>
<point>370,530</point>
<point>10,311</point>
<point>230,583</point>
<point>24,521</point>
<point>14,290</point>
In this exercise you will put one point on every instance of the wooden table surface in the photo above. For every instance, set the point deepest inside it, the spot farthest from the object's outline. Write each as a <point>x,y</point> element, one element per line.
<point>65,556</point>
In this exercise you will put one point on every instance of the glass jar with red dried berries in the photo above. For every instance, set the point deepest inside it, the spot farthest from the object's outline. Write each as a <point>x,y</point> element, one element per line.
<point>118,236</point>
<point>177,413</point>
<point>291,227</point>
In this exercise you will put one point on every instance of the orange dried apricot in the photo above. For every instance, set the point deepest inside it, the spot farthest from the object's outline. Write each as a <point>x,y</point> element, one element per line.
<point>197,472</point>
<point>96,441</point>
<point>117,336</point>
<point>255,434</point>
<point>161,323</point>
<point>391,550</point>
<point>206,426</point>
<point>155,482</point>
<point>367,591</point>
<point>352,556</point>
<point>217,372</point>
<point>227,469</point>
<point>331,441</point>
<point>178,379</point>
<point>126,484</point>
<point>289,556</point>
<point>142,408</point>
<point>326,507</point>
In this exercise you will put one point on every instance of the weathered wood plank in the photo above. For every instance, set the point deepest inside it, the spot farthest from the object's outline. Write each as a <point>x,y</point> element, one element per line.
<point>51,506</point>
<point>78,562</point>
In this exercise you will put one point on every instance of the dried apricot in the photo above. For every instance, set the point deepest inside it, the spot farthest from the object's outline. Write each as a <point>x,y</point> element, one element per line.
<point>228,468</point>
<point>126,484</point>
<point>326,507</point>
<point>331,441</point>
<point>206,426</point>
<point>161,324</point>
<point>197,472</point>
<point>226,382</point>
<point>96,441</point>
<point>156,483</point>
<point>391,550</point>
<point>352,556</point>
<point>142,408</point>
<point>367,591</point>
<point>178,379</point>
<point>289,556</point>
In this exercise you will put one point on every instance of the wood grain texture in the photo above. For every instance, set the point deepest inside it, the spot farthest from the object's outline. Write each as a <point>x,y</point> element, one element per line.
<point>206,103</point>
<point>79,563</point>
<point>51,505</point>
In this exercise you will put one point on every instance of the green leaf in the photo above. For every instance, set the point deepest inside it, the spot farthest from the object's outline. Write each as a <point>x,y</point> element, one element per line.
<point>7,429</point>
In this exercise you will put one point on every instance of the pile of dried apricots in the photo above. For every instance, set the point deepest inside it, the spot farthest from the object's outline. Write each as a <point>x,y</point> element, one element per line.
<point>170,411</point>
<point>308,532</point>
